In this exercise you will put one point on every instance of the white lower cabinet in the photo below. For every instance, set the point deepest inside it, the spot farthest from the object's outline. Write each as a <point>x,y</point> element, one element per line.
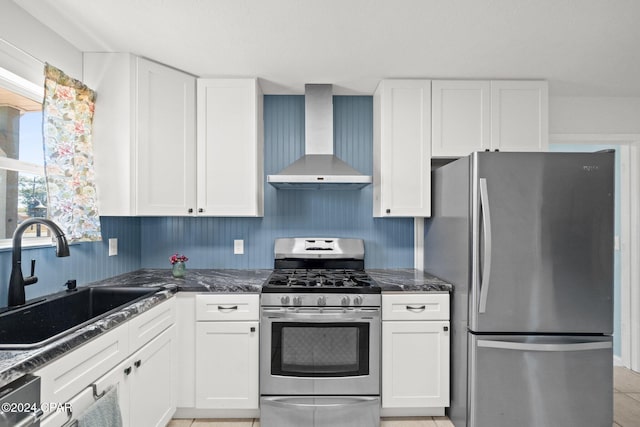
<point>415,354</point>
<point>145,380</point>
<point>227,352</point>
<point>227,365</point>
<point>152,382</point>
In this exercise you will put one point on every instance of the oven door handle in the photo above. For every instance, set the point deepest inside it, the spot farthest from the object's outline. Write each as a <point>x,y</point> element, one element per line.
<point>315,402</point>
<point>342,315</point>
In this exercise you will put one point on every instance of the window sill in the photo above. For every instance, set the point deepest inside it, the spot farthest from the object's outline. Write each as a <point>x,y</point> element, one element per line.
<point>6,245</point>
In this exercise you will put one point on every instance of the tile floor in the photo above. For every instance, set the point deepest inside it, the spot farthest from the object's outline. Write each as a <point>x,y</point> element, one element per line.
<point>626,398</point>
<point>387,422</point>
<point>626,409</point>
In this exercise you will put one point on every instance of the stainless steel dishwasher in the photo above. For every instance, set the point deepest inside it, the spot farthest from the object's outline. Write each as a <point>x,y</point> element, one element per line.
<point>20,403</point>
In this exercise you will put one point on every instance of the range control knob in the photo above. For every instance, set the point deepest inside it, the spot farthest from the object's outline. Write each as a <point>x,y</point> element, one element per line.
<point>357,300</point>
<point>285,300</point>
<point>297,301</point>
<point>322,301</point>
<point>345,301</point>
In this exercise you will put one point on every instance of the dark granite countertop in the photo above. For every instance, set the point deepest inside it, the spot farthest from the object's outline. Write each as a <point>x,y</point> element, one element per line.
<point>250,281</point>
<point>408,280</point>
<point>202,280</point>
<point>15,363</point>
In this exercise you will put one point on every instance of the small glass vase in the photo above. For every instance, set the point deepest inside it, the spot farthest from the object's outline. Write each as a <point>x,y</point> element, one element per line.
<point>179,269</point>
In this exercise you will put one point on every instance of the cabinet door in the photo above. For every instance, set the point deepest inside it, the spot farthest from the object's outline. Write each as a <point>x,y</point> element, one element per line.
<point>152,382</point>
<point>119,379</point>
<point>69,375</point>
<point>227,365</point>
<point>165,178</point>
<point>461,117</point>
<point>145,327</point>
<point>111,76</point>
<point>230,178</point>
<point>402,148</point>
<point>185,350</point>
<point>519,115</point>
<point>116,378</point>
<point>415,364</point>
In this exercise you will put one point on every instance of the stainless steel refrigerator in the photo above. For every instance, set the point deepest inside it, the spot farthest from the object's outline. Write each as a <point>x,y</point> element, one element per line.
<point>527,241</point>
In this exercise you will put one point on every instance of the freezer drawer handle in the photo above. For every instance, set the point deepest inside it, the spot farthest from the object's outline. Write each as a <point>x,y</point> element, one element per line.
<point>486,228</point>
<point>583,346</point>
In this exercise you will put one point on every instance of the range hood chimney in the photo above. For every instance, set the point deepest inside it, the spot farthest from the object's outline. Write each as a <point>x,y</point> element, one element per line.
<point>319,168</point>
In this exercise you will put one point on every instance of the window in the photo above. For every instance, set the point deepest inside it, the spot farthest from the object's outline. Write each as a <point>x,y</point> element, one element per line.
<point>23,192</point>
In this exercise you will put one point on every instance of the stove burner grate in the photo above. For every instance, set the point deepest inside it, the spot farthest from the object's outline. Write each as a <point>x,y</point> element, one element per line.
<point>343,279</point>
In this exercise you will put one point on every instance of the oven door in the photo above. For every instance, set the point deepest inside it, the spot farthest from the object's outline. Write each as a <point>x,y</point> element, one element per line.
<point>320,351</point>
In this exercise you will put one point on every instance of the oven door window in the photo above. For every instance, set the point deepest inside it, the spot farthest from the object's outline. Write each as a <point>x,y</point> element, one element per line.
<point>320,349</point>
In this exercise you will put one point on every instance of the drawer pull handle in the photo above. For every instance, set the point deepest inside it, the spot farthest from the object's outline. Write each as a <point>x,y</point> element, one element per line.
<point>232,308</point>
<point>416,309</point>
<point>137,363</point>
<point>127,370</point>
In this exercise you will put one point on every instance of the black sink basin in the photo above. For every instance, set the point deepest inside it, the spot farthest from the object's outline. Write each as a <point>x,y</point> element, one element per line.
<point>37,324</point>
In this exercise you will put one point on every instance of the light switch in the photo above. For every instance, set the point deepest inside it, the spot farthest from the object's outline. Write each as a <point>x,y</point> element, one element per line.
<point>238,247</point>
<point>113,247</point>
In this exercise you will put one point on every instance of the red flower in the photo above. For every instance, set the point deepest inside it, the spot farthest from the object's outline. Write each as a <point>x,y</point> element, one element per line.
<point>178,258</point>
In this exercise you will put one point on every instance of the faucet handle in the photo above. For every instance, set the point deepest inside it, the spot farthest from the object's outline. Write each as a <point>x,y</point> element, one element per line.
<point>32,277</point>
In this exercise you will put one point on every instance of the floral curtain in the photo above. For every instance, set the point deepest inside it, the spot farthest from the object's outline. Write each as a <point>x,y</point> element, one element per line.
<point>68,151</point>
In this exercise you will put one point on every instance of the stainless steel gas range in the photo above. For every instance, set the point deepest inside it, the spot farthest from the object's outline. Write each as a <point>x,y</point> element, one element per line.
<point>320,337</point>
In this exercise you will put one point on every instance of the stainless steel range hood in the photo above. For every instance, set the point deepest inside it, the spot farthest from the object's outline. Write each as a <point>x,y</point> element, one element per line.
<point>319,168</point>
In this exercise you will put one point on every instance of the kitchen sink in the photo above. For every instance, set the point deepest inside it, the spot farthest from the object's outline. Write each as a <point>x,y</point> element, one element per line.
<point>41,322</point>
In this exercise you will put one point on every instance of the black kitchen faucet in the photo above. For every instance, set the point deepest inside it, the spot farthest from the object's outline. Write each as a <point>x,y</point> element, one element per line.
<point>17,282</point>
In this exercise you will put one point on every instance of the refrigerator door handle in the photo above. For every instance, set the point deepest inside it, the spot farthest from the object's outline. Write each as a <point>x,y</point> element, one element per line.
<point>519,346</point>
<point>486,231</point>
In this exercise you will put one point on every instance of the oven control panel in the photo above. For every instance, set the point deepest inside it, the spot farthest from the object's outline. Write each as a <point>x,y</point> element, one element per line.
<point>320,300</point>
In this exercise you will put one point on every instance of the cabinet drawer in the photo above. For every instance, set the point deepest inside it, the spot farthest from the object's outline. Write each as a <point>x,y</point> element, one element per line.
<point>150,324</point>
<point>227,307</point>
<point>415,307</point>
<point>67,376</point>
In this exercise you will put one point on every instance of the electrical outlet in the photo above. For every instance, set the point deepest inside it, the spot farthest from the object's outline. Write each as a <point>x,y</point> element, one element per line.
<point>113,247</point>
<point>238,247</point>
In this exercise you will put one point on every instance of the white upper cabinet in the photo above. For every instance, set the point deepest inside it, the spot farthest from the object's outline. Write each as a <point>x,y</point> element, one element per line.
<point>149,160</point>
<point>165,155</point>
<point>402,149</point>
<point>461,117</point>
<point>143,135</point>
<point>230,147</point>
<point>475,115</point>
<point>519,115</point>
<point>113,77</point>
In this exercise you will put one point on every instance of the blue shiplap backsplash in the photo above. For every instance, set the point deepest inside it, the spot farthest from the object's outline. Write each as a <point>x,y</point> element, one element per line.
<point>87,262</point>
<point>208,242</point>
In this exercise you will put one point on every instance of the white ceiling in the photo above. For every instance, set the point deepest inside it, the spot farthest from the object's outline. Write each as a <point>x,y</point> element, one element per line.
<point>583,47</point>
